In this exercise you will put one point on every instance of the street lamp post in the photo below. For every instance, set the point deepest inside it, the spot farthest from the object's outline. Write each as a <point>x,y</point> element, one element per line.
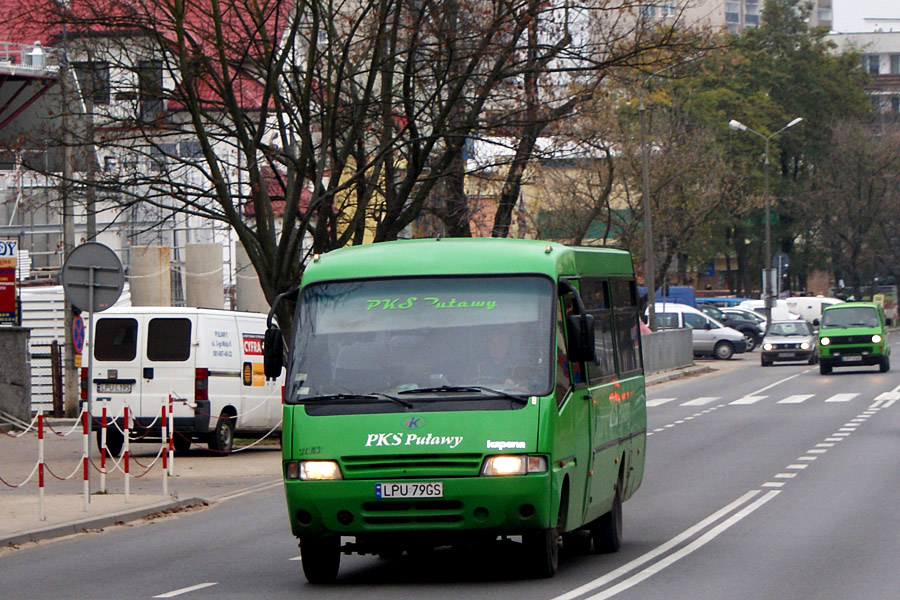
<point>767,268</point>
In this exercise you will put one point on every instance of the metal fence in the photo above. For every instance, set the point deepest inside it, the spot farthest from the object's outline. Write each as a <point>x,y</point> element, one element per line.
<point>46,378</point>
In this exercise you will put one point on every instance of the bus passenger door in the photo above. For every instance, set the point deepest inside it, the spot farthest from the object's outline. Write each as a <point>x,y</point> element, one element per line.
<point>573,434</point>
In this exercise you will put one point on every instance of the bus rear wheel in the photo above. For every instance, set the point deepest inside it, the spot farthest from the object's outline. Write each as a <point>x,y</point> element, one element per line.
<point>321,558</point>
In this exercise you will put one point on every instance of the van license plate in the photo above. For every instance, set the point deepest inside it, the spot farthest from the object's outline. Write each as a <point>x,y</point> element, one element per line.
<point>434,489</point>
<point>114,388</point>
<point>851,358</point>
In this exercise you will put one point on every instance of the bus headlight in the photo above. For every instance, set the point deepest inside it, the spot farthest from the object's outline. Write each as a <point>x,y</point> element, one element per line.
<point>825,341</point>
<point>313,470</point>
<point>513,464</point>
<point>876,339</point>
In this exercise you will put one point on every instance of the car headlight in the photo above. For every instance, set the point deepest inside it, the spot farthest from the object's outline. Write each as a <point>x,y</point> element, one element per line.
<point>825,341</point>
<point>876,339</point>
<point>767,346</point>
<point>313,470</point>
<point>804,346</point>
<point>513,464</point>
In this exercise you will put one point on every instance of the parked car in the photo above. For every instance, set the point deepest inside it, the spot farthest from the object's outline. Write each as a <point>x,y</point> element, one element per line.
<point>751,329</point>
<point>789,341</point>
<point>854,333</point>
<point>810,307</point>
<point>747,313</point>
<point>710,338</point>
<point>780,310</point>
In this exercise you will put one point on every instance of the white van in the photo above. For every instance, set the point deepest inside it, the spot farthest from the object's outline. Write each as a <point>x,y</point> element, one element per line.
<point>709,337</point>
<point>209,361</point>
<point>780,310</point>
<point>809,307</point>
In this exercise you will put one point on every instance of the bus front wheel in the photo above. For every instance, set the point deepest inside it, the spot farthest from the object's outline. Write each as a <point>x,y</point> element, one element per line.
<point>606,532</point>
<point>542,548</point>
<point>321,558</point>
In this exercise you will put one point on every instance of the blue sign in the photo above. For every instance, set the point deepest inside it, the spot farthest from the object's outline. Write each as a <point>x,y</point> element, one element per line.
<point>78,334</point>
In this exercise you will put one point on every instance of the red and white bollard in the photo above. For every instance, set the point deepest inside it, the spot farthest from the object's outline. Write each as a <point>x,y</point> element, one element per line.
<point>164,450</point>
<point>127,437</point>
<point>171,440</point>
<point>41,465</point>
<point>103,449</point>
<point>85,428</point>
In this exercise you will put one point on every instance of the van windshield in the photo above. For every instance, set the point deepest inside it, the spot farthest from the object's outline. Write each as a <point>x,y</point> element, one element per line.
<point>389,336</point>
<point>861,316</point>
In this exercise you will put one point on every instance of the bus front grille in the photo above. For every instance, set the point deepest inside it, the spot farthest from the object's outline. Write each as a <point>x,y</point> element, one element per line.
<point>409,466</point>
<point>412,512</point>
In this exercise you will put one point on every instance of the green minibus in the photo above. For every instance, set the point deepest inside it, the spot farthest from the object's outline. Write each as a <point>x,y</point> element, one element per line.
<point>449,392</point>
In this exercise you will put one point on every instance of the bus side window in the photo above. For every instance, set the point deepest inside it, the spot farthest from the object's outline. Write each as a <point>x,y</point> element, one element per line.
<point>563,381</point>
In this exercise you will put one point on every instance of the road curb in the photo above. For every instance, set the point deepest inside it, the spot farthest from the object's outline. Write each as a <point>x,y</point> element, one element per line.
<point>98,522</point>
<point>678,374</point>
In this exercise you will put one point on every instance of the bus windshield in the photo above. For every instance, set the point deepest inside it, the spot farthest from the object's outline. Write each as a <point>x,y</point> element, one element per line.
<point>390,336</point>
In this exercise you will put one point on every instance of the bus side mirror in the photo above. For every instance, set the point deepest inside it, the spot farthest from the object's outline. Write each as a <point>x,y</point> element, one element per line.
<point>580,340</point>
<point>273,353</point>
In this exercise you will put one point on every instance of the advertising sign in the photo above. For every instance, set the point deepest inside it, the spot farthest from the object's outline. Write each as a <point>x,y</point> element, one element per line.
<point>9,253</point>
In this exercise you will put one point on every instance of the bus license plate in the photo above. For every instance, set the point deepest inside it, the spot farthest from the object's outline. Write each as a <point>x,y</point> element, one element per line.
<point>434,489</point>
<point>114,388</point>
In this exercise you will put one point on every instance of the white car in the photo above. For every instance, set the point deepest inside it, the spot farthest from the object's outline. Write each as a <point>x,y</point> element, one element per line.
<point>780,310</point>
<point>710,338</point>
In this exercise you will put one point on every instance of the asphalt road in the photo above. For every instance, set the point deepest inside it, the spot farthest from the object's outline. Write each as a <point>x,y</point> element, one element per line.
<point>760,483</point>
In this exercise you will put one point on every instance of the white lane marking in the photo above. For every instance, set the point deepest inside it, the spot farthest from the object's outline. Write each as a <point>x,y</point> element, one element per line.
<point>893,395</point>
<point>749,400</point>
<point>842,398</point>
<point>808,458</point>
<point>796,466</point>
<point>701,401</point>
<point>692,547</point>
<point>816,451</point>
<point>659,401</point>
<point>777,383</point>
<point>834,439</point>
<point>824,445</point>
<point>662,549</point>
<point>773,484</point>
<point>888,404</point>
<point>796,399</point>
<point>193,588</point>
<point>785,475</point>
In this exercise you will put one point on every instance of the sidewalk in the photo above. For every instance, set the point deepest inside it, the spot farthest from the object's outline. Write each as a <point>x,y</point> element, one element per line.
<point>200,478</point>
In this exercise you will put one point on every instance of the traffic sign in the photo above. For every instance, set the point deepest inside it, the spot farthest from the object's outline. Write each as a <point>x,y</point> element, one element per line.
<point>78,334</point>
<point>92,277</point>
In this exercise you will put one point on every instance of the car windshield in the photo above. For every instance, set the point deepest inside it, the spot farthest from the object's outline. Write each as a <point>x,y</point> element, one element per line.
<point>388,336</point>
<point>793,328</point>
<point>857,316</point>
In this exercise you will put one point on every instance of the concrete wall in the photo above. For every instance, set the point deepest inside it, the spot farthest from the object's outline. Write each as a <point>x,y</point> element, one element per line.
<point>15,373</point>
<point>667,349</point>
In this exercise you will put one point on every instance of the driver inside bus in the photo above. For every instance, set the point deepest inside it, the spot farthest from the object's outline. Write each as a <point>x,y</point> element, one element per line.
<point>503,362</point>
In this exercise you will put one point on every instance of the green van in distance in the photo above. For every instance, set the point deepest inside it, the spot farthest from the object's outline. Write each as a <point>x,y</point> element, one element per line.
<point>459,391</point>
<point>853,334</point>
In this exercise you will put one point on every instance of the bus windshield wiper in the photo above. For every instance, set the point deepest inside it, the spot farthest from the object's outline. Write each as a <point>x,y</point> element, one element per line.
<point>453,389</point>
<point>375,396</point>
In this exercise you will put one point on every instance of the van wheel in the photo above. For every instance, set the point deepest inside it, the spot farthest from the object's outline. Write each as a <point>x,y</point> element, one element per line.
<point>542,548</point>
<point>181,442</point>
<point>723,350</point>
<point>824,368</point>
<point>114,441</point>
<point>885,364</point>
<point>321,558</point>
<point>222,439</point>
<point>606,532</point>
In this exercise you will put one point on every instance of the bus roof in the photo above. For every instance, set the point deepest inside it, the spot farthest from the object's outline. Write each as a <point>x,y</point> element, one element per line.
<point>464,256</point>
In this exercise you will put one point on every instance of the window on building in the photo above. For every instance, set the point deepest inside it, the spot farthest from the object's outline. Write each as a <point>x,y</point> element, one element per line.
<point>871,63</point>
<point>93,81</point>
<point>895,104</point>
<point>150,89</point>
<point>733,12</point>
<point>895,64</point>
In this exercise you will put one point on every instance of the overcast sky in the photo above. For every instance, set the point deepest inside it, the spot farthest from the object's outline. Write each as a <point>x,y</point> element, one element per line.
<point>866,15</point>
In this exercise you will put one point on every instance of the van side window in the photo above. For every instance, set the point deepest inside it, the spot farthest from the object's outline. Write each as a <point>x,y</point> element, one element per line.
<point>628,333</point>
<point>169,339</point>
<point>694,321</point>
<point>115,339</point>
<point>595,294</point>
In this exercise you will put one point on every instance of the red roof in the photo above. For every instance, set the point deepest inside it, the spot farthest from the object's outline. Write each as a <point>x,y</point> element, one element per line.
<point>27,21</point>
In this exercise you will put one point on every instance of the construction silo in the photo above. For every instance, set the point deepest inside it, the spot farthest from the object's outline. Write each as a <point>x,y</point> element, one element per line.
<point>149,276</point>
<point>248,295</point>
<point>203,281</point>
